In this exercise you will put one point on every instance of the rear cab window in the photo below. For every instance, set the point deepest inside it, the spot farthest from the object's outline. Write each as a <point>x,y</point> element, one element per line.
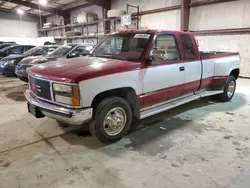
<point>188,47</point>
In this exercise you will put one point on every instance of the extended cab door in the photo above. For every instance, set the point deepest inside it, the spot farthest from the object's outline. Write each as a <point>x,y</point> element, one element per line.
<point>192,64</point>
<point>163,78</point>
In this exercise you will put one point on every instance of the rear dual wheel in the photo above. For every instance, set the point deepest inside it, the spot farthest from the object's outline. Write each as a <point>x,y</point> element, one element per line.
<point>229,89</point>
<point>113,118</point>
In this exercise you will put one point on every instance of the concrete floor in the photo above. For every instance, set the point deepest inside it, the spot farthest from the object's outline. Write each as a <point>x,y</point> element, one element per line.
<point>201,144</point>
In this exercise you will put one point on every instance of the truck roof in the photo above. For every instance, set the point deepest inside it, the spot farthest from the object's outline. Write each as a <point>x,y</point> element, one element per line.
<point>153,31</point>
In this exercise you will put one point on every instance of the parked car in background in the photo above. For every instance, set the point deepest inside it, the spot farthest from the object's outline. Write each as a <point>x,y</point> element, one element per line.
<point>7,42</point>
<point>14,50</point>
<point>63,52</point>
<point>4,45</point>
<point>131,75</point>
<point>8,64</point>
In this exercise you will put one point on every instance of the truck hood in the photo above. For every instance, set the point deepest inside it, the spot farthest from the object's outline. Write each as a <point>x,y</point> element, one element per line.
<point>83,68</point>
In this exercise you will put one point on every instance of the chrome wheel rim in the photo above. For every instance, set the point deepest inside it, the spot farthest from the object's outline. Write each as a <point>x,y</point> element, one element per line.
<point>114,121</point>
<point>231,88</point>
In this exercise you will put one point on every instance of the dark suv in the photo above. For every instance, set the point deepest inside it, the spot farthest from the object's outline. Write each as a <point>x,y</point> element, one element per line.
<point>63,52</point>
<point>9,63</point>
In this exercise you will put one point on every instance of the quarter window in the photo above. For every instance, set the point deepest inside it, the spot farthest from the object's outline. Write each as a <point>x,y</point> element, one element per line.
<point>188,47</point>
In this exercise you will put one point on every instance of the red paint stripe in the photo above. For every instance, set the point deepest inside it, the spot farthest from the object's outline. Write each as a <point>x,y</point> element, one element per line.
<point>160,95</point>
<point>218,81</point>
<point>180,90</point>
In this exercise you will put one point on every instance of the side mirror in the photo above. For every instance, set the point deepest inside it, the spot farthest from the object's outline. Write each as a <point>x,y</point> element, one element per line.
<point>150,59</point>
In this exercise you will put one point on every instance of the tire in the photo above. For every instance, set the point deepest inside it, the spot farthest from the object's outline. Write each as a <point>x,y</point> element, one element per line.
<point>229,89</point>
<point>109,108</point>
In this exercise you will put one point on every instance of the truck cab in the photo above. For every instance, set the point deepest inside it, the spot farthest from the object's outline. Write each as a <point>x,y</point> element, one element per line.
<point>130,75</point>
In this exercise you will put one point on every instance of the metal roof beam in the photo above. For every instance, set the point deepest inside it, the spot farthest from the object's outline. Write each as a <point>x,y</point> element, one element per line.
<point>36,6</point>
<point>106,4</point>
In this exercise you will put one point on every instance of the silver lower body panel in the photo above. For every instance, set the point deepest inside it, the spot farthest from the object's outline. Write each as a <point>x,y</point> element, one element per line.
<point>161,107</point>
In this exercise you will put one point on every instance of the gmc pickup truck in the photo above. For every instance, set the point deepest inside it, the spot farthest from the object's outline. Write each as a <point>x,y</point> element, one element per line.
<point>130,75</point>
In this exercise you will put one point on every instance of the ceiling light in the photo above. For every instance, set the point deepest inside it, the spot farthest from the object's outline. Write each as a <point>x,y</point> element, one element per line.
<point>43,2</point>
<point>19,11</point>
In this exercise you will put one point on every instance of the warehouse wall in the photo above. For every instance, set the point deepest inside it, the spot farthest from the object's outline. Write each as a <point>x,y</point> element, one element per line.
<point>27,27</point>
<point>224,16</point>
<point>58,20</point>
<point>73,16</point>
<point>91,29</point>
<point>164,20</point>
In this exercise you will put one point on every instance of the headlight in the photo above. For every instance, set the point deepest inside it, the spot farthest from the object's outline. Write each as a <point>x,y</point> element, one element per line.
<point>23,67</point>
<point>35,61</point>
<point>62,88</point>
<point>2,63</point>
<point>11,62</point>
<point>67,94</point>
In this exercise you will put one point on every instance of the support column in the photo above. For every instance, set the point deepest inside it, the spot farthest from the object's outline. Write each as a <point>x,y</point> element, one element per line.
<point>66,20</point>
<point>185,12</point>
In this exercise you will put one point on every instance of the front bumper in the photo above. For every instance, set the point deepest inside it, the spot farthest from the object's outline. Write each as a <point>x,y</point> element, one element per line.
<point>70,116</point>
<point>8,70</point>
<point>22,74</point>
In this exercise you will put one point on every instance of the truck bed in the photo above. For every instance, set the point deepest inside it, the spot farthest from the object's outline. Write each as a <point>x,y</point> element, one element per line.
<point>214,54</point>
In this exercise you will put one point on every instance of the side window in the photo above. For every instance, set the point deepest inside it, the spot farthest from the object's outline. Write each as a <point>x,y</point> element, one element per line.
<point>29,47</point>
<point>49,51</point>
<point>188,47</point>
<point>45,51</point>
<point>81,50</point>
<point>25,48</point>
<point>16,50</point>
<point>165,50</point>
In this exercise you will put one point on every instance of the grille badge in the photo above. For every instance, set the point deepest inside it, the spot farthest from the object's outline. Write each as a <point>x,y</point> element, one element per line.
<point>36,87</point>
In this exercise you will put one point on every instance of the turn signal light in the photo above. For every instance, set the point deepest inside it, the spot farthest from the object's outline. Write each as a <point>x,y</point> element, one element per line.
<point>76,96</point>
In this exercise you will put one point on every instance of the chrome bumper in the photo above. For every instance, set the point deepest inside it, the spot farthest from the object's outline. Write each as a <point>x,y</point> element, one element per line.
<point>70,116</point>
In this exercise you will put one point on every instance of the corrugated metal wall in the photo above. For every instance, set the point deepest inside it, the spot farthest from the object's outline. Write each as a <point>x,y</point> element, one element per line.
<point>27,26</point>
<point>224,16</point>
<point>163,20</point>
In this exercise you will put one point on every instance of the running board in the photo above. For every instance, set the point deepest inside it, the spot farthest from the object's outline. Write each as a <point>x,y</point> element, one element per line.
<point>169,105</point>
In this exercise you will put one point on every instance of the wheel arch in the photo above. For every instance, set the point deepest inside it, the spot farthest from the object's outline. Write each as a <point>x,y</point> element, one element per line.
<point>127,93</point>
<point>235,72</point>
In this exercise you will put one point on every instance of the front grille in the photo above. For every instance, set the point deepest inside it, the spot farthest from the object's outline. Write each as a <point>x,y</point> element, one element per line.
<point>40,88</point>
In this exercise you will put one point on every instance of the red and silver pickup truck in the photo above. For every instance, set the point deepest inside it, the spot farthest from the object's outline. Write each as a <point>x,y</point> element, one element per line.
<point>128,76</point>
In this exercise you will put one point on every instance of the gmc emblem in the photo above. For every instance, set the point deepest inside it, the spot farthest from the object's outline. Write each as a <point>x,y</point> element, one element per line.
<point>36,87</point>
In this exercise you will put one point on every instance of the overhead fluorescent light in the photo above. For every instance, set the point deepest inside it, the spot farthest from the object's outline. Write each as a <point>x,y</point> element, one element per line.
<point>43,2</point>
<point>19,11</point>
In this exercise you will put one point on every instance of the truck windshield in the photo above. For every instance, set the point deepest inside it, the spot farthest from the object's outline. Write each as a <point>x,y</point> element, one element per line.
<point>124,46</point>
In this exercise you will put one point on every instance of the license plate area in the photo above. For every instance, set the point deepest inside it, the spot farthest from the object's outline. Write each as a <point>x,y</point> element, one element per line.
<point>34,110</point>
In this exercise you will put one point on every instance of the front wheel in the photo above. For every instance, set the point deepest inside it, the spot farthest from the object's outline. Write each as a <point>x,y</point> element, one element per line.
<point>229,89</point>
<point>113,119</point>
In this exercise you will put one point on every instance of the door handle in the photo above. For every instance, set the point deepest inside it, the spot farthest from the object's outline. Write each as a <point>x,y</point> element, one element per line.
<point>182,68</point>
